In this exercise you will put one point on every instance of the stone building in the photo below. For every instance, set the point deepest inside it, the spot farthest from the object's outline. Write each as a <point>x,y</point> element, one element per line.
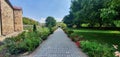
<point>10,18</point>
<point>18,23</point>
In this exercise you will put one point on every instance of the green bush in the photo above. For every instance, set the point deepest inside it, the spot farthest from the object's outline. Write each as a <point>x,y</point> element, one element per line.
<point>12,47</point>
<point>76,38</point>
<point>29,44</point>
<point>94,49</point>
<point>26,41</point>
<point>68,31</point>
<point>62,25</point>
<point>18,44</point>
<point>34,28</point>
<point>44,32</point>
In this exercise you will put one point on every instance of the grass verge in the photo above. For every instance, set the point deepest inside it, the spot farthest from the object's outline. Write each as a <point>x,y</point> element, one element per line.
<point>96,43</point>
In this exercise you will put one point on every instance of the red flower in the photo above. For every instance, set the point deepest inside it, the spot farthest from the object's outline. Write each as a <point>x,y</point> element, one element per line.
<point>78,44</point>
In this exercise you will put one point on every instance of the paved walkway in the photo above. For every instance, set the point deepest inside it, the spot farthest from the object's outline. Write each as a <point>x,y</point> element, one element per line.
<point>58,45</point>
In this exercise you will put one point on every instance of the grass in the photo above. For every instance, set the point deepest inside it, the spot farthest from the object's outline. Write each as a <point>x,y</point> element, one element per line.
<point>101,36</point>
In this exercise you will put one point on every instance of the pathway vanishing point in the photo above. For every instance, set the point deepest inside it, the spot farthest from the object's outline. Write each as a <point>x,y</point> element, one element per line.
<point>58,45</point>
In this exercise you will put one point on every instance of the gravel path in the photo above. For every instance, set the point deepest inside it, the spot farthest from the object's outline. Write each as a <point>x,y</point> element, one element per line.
<point>58,45</point>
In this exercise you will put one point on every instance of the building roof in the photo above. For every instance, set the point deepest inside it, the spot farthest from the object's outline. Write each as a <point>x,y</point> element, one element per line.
<point>17,8</point>
<point>9,3</point>
<point>14,7</point>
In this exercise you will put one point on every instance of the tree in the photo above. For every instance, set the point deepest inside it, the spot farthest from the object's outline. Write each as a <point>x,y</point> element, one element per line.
<point>34,28</point>
<point>68,20</point>
<point>110,13</point>
<point>94,13</point>
<point>50,21</point>
<point>63,25</point>
<point>29,21</point>
<point>108,16</point>
<point>115,5</point>
<point>85,11</point>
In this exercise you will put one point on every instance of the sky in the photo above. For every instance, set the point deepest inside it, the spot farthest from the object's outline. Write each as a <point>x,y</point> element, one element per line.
<point>40,9</point>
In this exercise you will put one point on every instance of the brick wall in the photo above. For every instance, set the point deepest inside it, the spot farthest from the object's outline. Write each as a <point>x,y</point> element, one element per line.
<point>18,20</point>
<point>7,18</point>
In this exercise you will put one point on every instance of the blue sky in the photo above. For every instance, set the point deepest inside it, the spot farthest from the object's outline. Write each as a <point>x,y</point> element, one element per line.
<point>40,9</point>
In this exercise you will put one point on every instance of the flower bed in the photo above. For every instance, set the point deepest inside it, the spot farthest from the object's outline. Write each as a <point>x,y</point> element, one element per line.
<point>95,49</point>
<point>26,41</point>
<point>93,45</point>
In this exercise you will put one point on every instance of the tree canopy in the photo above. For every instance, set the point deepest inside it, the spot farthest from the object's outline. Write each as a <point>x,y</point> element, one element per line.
<point>50,21</point>
<point>29,21</point>
<point>93,13</point>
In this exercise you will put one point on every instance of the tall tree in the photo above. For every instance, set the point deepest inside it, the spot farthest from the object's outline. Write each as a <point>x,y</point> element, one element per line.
<point>68,19</point>
<point>50,21</point>
<point>110,13</point>
<point>115,5</point>
<point>95,13</point>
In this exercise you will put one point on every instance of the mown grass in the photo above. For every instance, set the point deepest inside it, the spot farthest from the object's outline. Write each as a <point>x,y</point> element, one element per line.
<point>101,36</point>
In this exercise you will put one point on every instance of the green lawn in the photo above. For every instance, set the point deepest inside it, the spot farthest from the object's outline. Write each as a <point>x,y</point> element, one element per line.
<point>101,36</point>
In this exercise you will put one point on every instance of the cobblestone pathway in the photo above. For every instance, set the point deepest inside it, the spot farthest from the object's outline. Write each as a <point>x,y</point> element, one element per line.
<point>58,45</point>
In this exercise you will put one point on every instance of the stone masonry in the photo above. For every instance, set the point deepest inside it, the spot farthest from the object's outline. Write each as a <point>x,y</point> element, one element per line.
<point>6,18</point>
<point>18,19</point>
<point>10,18</point>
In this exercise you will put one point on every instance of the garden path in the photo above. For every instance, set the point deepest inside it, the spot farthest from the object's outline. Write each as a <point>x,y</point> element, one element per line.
<point>58,45</point>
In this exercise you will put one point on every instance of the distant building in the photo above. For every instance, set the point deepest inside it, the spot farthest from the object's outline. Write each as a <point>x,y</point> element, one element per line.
<point>10,18</point>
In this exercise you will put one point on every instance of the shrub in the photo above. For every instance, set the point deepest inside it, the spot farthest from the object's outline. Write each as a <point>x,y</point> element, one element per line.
<point>94,49</point>
<point>18,44</point>
<point>75,38</point>
<point>34,28</point>
<point>29,44</point>
<point>63,25</point>
<point>68,31</point>
<point>44,32</point>
<point>26,41</point>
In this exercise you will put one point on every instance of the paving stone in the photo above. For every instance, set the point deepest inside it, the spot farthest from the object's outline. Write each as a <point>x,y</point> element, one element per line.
<point>58,45</point>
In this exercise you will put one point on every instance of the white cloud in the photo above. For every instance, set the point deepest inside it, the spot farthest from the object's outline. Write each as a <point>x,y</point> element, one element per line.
<point>59,19</point>
<point>42,20</point>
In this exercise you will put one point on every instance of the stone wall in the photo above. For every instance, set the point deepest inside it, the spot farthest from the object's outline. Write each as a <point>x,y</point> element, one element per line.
<point>0,17</point>
<point>7,18</point>
<point>18,20</point>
